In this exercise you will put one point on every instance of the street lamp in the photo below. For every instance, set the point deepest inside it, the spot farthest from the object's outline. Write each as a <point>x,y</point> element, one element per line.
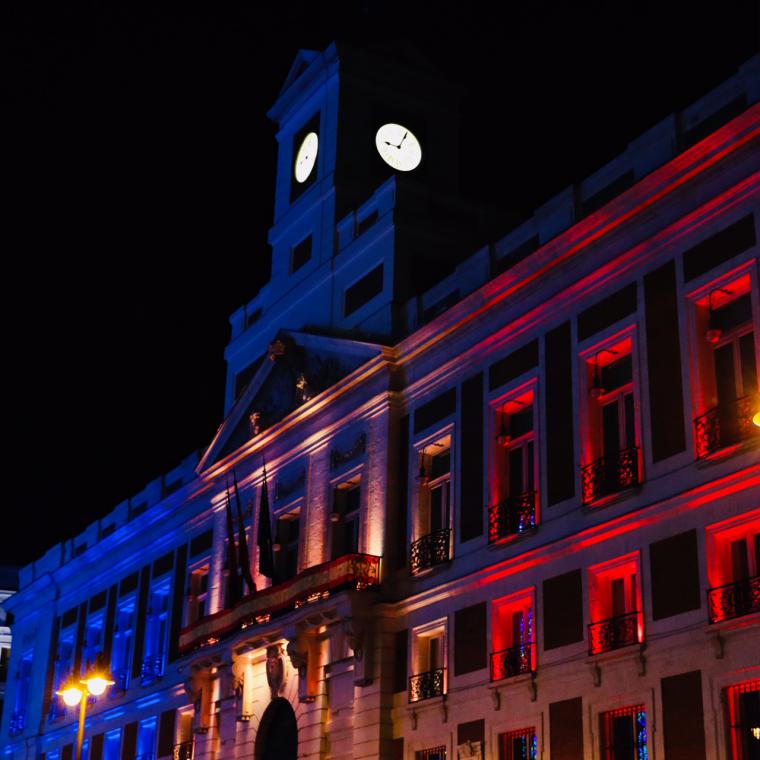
<point>73,694</point>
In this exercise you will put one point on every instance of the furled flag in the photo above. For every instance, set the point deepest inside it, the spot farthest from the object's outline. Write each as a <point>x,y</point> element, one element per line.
<point>264,535</point>
<point>234,582</point>
<point>243,556</point>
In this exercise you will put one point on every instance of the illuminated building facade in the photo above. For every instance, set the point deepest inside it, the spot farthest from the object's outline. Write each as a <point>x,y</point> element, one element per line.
<point>514,497</point>
<point>8,586</point>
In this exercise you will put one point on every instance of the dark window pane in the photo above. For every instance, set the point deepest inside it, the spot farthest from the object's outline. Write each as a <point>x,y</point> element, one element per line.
<point>301,254</point>
<point>618,373</point>
<point>611,429</point>
<point>630,425</point>
<point>724,374</point>
<point>733,314</point>
<point>739,559</point>
<point>363,290</point>
<point>749,366</point>
<point>440,464</point>
<point>521,422</point>
<point>516,472</point>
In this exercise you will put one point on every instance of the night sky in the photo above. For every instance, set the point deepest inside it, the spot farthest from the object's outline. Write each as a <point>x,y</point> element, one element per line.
<point>139,169</point>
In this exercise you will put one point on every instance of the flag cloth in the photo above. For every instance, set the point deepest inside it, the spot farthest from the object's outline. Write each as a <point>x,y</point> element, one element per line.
<point>234,585</point>
<point>243,556</point>
<point>264,535</point>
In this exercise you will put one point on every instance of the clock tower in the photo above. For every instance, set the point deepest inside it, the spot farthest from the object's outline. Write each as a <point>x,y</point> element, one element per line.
<point>367,213</point>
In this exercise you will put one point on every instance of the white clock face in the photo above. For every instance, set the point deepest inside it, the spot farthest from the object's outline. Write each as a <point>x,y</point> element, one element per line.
<point>306,157</point>
<point>398,147</point>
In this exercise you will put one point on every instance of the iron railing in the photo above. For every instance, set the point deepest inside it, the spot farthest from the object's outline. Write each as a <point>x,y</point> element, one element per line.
<point>608,475</point>
<point>725,425</point>
<point>427,685</point>
<point>512,517</point>
<point>183,751</point>
<point>430,550</point>
<point>734,599</point>
<point>512,662</point>
<point>614,633</point>
<point>16,724</point>
<point>152,668</point>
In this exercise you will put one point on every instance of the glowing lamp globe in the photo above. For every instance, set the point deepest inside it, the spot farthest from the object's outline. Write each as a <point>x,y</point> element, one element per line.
<point>756,419</point>
<point>97,685</point>
<point>72,695</point>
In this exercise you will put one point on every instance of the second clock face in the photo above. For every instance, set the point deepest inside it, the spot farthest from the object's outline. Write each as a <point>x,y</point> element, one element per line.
<point>306,157</point>
<point>398,147</point>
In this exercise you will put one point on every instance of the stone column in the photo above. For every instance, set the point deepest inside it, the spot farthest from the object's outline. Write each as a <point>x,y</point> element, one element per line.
<point>216,574</point>
<point>315,521</point>
<point>375,482</point>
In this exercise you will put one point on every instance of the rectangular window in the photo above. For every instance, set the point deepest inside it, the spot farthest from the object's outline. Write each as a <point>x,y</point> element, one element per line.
<point>286,545</point>
<point>156,630</point>
<point>429,657</point>
<point>518,745</point>
<point>197,606</point>
<point>611,447</point>
<point>146,740</point>
<point>674,570</point>
<point>345,517</point>
<point>615,600</point>
<point>23,682</point>
<point>112,745</point>
<point>64,669</point>
<point>624,734</point>
<point>743,708</point>
<point>300,254</point>
<point>363,290</point>
<point>122,647</point>
<point>470,647</point>
<point>93,641</point>
<point>516,467</point>
<point>726,396</point>
<point>513,635</point>
<point>563,609</point>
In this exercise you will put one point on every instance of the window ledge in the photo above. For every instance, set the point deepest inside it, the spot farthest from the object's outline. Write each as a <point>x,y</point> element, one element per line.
<point>500,543</point>
<point>720,455</point>
<point>611,499</point>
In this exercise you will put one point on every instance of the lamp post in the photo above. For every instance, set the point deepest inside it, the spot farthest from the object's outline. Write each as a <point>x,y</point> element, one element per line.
<point>74,694</point>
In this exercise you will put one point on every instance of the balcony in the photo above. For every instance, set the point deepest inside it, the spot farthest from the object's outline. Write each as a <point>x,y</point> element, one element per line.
<point>614,633</point>
<point>734,599</point>
<point>16,724</point>
<point>430,550</point>
<point>351,571</point>
<point>512,662</point>
<point>152,668</point>
<point>726,425</point>
<point>609,475</point>
<point>183,751</point>
<point>427,685</point>
<point>512,517</point>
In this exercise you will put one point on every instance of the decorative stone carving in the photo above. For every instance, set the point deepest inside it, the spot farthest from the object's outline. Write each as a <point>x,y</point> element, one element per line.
<point>275,670</point>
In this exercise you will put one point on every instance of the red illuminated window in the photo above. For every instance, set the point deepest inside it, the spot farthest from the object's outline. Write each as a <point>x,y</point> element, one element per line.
<point>513,636</point>
<point>611,449</point>
<point>733,549</point>
<point>624,733</point>
<point>726,371</point>
<point>743,707</point>
<point>514,509</point>
<point>615,596</point>
<point>518,745</point>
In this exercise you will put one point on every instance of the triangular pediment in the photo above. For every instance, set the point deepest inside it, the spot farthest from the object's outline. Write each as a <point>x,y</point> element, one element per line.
<point>298,368</point>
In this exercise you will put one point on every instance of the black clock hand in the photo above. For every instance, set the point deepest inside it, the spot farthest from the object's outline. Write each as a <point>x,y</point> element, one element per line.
<point>402,140</point>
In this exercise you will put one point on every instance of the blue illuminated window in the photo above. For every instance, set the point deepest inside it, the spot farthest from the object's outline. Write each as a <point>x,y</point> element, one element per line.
<point>112,745</point>
<point>156,631</point>
<point>123,636</point>
<point>146,740</point>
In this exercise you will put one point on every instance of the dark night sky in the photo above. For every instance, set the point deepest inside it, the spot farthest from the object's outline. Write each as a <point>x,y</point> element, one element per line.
<point>140,170</point>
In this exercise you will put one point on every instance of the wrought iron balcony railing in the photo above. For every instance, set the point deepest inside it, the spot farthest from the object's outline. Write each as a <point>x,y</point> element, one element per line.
<point>608,475</point>
<point>152,668</point>
<point>183,751</point>
<point>427,685</point>
<point>430,550</point>
<point>16,724</point>
<point>512,517</point>
<point>512,662</point>
<point>726,425</point>
<point>734,599</point>
<point>614,633</point>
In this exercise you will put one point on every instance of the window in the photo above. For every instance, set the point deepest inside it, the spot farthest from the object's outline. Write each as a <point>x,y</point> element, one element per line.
<point>611,447</point>
<point>93,641</point>
<point>733,550</point>
<point>428,662</point>
<point>156,630</point>
<point>5,655</point>
<point>112,745</point>
<point>123,636</point>
<point>433,516</point>
<point>345,517</point>
<point>64,668</point>
<point>300,254</point>
<point>183,749</point>
<point>146,740</point>
<point>744,720</point>
<point>23,681</point>
<point>624,733</point>
<point>197,607</point>
<point>726,394</point>
<point>513,636</point>
<point>515,468</point>
<point>286,546</point>
<point>363,290</point>
<point>615,597</point>
<point>518,745</point>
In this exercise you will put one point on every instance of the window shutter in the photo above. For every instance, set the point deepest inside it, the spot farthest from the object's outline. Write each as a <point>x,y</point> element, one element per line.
<point>397,749</point>
<point>129,742</point>
<point>560,452</point>
<point>566,729</point>
<point>683,721</point>
<point>563,610</point>
<point>664,360</point>
<point>166,733</point>
<point>96,747</point>
<point>178,603</point>
<point>402,494</point>
<point>401,649</point>
<point>471,482</point>
<point>110,621</point>
<point>142,608</point>
<point>470,639</point>
<point>674,568</point>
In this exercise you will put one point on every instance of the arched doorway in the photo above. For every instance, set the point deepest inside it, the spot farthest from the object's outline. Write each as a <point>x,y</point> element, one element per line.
<point>277,737</point>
